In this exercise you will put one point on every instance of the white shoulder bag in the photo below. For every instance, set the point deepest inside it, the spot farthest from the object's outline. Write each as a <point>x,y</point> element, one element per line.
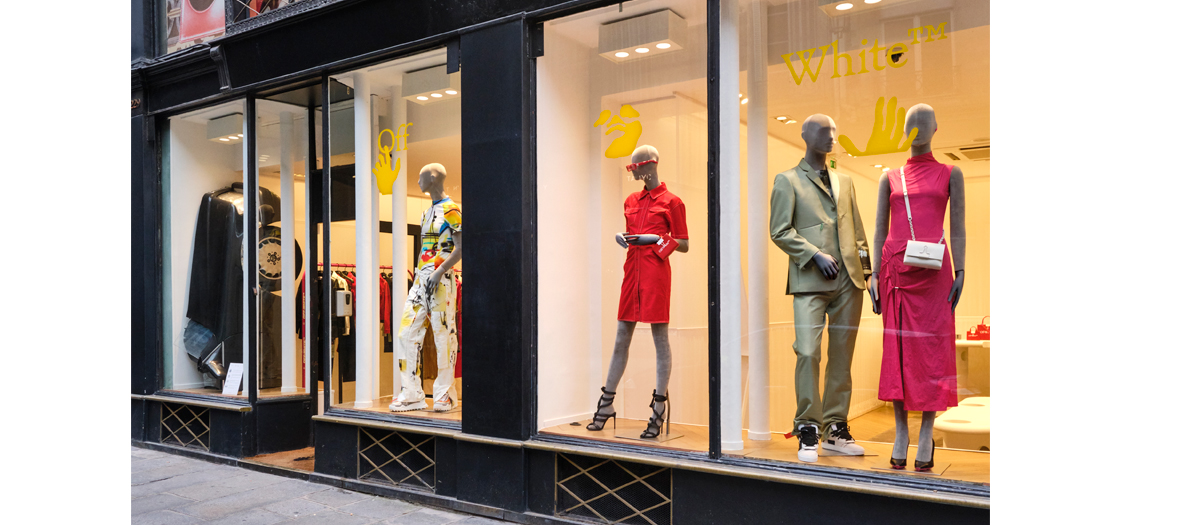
<point>919,253</point>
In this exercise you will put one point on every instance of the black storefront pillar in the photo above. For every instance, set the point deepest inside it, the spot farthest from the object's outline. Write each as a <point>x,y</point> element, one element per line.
<point>499,259</point>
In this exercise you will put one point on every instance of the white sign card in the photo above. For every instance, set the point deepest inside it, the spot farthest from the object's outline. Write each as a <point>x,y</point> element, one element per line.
<point>233,380</point>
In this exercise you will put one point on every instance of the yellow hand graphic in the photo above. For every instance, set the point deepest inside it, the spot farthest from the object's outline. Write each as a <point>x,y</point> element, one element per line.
<point>385,175</point>
<point>624,144</point>
<point>888,130</point>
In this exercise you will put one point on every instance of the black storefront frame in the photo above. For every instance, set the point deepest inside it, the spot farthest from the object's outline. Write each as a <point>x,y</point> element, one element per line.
<point>527,22</point>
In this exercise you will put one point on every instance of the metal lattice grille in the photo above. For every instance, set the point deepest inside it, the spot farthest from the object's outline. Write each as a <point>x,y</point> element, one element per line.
<point>184,425</point>
<point>613,492</point>
<point>396,458</point>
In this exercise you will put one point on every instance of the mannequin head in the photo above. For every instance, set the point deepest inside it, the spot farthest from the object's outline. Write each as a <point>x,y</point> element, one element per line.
<point>641,154</point>
<point>921,116</point>
<point>431,179</point>
<point>819,133</point>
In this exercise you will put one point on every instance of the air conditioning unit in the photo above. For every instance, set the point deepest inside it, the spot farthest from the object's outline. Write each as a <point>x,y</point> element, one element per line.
<point>974,152</point>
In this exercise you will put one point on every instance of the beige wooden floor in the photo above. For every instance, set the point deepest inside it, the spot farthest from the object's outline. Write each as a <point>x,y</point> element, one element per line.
<point>264,393</point>
<point>874,431</point>
<point>301,459</point>
<point>382,406</point>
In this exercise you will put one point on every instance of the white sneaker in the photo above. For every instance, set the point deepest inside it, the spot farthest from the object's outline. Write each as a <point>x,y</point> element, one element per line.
<point>407,401</point>
<point>808,436</point>
<point>443,404</point>
<point>840,441</point>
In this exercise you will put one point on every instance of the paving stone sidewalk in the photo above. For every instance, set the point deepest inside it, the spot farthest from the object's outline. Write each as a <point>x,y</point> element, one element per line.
<point>169,489</point>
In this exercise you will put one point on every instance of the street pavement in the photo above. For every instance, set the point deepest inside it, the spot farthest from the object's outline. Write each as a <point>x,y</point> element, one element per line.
<point>169,489</point>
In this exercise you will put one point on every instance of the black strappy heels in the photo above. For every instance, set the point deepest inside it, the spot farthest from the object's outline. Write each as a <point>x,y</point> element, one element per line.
<point>604,401</point>
<point>658,421</point>
<point>924,466</point>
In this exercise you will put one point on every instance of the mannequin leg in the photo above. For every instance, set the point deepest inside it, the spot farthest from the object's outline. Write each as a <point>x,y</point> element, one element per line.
<point>659,333</point>
<point>901,441</point>
<point>926,437</point>
<point>618,361</point>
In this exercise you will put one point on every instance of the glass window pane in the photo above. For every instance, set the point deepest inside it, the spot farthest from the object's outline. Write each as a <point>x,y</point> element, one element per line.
<point>836,99</point>
<point>203,211</point>
<point>621,85</point>
<point>186,23</point>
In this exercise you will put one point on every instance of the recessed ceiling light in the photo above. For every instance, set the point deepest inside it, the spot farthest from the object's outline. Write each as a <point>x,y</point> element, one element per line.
<point>239,135</point>
<point>871,1</point>
<point>436,95</point>
<point>780,119</point>
<point>622,54</point>
<point>744,100</point>
<point>452,92</point>
<point>790,121</point>
<point>663,45</point>
<point>641,50</point>
<point>876,165</point>
<point>223,139</point>
<point>844,7</point>
<point>420,97</point>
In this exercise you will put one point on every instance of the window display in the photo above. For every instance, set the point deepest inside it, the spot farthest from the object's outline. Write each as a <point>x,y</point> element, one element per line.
<point>203,210</point>
<point>837,147</point>
<point>621,188</point>
<point>394,239</point>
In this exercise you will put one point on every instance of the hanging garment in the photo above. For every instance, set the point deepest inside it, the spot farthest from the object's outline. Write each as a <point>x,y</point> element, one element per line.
<point>918,361</point>
<point>647,278</point>
<point>459,324</point>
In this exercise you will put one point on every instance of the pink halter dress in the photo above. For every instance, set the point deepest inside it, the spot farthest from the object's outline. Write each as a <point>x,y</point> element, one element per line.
<point>918,363</point>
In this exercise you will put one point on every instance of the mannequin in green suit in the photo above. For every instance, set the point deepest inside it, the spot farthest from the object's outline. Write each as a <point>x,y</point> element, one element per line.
<point>815,220</point>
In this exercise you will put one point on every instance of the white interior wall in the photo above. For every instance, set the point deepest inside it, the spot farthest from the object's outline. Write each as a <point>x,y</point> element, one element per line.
<point>197,167</point>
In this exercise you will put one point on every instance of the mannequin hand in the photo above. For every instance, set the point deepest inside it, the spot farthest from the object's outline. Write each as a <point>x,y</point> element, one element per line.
<point>621,238</point>
<point>827,265</point>
<point>642,239</point>
<point>873,294</point>
<point>956,291</point>
<point>432,282</point>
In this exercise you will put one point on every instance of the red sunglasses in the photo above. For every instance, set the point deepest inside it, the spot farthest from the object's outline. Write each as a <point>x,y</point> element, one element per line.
<point>631,167</point>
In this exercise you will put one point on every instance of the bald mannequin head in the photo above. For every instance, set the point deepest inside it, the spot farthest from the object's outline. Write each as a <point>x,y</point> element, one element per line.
<point>641,154</point>
<point>431,178</point>
<point>921,116</point>
<point>819,133</point>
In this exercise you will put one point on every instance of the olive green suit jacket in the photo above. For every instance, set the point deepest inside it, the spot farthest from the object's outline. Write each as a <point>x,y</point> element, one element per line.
<point>804,219</point>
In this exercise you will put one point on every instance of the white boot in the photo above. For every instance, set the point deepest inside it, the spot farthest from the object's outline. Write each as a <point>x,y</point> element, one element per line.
<point>840,441</point>
<point>407,401</point>
<point>808,436</point>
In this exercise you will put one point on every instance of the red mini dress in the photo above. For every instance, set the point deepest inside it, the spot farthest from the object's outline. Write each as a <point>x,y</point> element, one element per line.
<point>647,279</point>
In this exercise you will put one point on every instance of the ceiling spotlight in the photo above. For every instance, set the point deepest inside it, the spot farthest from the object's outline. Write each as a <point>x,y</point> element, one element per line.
<point>876,165</point>
<point>233,138</point>
<point>436,95</point>
<point>622,54</point>
<point>780,119</point>
<point>223,139</point>
<point>634,37</point>
<point>844,7</point>
<point>420,97</point>
<point>239,135</point>
<point>641,50</point>
<point>790,121</point>
<point>426,86</point>
<point>663,45</point>
<point>871,1</point>
<point>451,92</point>
<point>744,100</point>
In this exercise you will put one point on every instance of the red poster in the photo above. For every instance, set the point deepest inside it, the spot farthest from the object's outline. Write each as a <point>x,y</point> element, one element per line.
<point>201,19</point>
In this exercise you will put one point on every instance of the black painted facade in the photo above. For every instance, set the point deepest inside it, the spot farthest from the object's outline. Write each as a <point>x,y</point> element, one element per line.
<point>494,463</point>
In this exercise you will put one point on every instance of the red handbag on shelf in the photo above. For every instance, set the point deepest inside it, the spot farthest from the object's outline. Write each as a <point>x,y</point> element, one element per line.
<point>981,332</point>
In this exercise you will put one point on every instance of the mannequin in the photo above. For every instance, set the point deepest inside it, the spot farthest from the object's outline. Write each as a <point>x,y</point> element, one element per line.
<point>432,294</point>
<point>815,220</point>
<point>917,303</point>
<point>653,215</point>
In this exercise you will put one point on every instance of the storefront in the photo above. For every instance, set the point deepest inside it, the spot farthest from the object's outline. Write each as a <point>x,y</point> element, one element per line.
<point>529,259</point>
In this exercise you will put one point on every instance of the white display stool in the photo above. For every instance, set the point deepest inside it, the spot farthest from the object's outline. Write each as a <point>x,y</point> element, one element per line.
<point>967,426</point>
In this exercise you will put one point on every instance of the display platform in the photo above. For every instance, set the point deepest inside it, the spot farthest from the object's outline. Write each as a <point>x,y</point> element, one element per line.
<point>938,470</point>
<point>266,393</point>
<point>381,406</point>
<point>635,434</point>
<point>691,438</point>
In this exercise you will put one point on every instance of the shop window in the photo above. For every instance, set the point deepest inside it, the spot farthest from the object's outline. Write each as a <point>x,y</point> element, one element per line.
<point>245,9</point>
<point>396,198</point>
<point>618,88</point>
<point>203,224</point>
<point>857,89</point>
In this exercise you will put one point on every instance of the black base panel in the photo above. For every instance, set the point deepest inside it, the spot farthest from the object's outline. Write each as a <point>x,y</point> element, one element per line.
<point>492,475</point>
<point>137,419</point>
<point>335,449</point>
<point>283,425</point>
<point>227,433</point>
<point>446,467</point>
<point>542,485</point>
<point>708,498</point>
